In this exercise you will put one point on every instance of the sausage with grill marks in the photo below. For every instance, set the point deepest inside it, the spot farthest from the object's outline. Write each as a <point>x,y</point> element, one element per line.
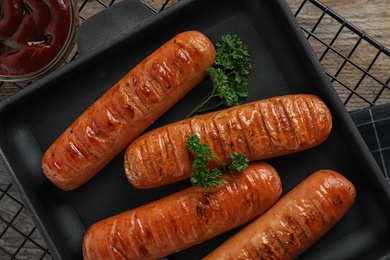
<point>185,218</point>
<point>260,129</point>
<point>294,223</point>
<point>127,109</point>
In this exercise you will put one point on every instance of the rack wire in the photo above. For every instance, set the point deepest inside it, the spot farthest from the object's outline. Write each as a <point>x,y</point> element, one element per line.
<point>353,60</point>
<point>359,82</point>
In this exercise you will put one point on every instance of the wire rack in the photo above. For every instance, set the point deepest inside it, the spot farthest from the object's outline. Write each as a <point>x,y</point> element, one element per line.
<point>341,48</point>
<point>353,60</point>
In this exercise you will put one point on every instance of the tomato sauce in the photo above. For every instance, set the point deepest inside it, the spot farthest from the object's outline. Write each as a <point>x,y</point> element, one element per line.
<point>32,34</point>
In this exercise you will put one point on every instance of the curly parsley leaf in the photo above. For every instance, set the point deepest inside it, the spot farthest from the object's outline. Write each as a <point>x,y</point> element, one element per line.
<point>202,176</point>
<point>229,74</point>
<point>239,162</point>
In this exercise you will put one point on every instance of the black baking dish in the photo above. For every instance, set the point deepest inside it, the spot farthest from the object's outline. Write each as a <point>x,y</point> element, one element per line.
<point>283,63</point>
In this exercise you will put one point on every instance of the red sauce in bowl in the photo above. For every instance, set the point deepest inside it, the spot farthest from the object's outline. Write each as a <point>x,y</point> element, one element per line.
<point>33,34</point>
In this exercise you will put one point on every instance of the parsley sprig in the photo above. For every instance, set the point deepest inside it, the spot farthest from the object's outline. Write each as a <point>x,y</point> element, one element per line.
<point>229,74</point>
<point>202,176</point>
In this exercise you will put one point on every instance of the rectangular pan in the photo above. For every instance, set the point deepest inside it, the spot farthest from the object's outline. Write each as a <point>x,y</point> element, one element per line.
<point>283,63</point>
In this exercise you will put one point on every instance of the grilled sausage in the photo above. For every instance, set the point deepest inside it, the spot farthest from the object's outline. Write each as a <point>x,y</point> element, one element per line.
<point>185,218</point>
<point>127,109</point>
<point>261,129</point>
<point>294,223</point>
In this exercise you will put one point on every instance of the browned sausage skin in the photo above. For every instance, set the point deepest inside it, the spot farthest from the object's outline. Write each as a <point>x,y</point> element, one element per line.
<point>294,223</point>
<point>185,218</point>
<point>127,109</point>
<point>261,129</point>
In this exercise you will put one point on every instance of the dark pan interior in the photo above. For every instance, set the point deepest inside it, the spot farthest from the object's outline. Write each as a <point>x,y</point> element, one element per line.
<point>282,64</point>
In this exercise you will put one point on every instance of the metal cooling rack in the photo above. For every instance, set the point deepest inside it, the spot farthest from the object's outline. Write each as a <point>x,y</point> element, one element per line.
<point>353,60</point>
<point>358,84</point>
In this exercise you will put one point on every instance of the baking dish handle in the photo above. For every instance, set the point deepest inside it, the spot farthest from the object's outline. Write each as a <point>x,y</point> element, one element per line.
<point>110,23</point>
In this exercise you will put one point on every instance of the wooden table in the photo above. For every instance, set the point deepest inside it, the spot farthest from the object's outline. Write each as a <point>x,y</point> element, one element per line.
<point>372,16</point>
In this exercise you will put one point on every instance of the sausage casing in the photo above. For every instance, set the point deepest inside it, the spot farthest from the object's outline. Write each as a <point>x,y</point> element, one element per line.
<point>261,129</point>
<point>127,109</point>
<point>295,222</point>
<point>185,218</point>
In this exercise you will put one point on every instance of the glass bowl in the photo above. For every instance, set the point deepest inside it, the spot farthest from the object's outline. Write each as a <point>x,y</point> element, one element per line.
<point>37,37</point>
